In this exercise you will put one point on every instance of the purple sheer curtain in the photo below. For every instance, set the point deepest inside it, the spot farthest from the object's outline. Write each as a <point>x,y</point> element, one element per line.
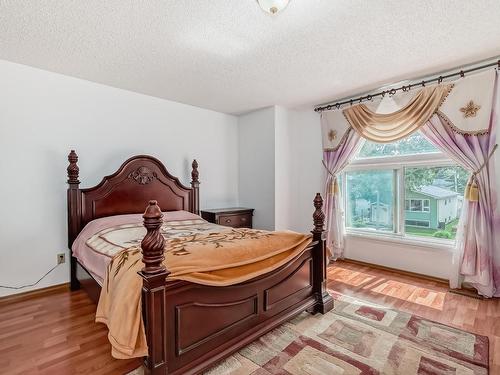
<point>477,255</point>
<point>335,161</point>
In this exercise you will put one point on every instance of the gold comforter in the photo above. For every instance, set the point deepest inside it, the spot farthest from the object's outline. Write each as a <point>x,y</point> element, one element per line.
<point>195,251</point>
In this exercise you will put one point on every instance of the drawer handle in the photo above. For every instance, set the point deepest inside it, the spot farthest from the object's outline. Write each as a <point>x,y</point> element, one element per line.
<point>228,220</point>
<point>243,219</point>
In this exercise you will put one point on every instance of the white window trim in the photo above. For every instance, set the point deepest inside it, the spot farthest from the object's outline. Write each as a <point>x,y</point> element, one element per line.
<point>434,159</point>
<point>420,242</point>
<point>397,164</point>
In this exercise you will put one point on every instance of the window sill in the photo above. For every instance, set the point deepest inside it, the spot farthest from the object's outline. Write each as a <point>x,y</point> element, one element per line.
<point>435,244</point>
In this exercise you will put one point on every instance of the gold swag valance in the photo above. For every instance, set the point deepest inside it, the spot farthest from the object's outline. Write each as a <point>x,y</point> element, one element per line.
<point>466,105</point>
<point>391,127</point>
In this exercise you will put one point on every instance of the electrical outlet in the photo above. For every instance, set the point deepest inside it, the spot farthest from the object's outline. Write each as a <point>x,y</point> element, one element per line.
<point>61,258</point>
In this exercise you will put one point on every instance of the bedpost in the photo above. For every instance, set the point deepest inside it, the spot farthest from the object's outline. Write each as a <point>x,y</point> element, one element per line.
<point>325,300</point>
<point>154,274</point>
<point>74,212</point>
<point>195,184</point>
<point>153,242</point>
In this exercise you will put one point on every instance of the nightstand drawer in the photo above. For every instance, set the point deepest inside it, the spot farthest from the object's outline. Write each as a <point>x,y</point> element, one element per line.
<point>235,221</point>
<point>236,217</point>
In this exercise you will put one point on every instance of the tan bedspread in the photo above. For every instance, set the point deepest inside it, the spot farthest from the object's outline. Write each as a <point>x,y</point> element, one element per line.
<point>199,252</point>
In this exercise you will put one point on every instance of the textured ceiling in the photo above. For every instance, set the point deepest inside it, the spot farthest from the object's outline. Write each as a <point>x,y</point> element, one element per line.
<point>230,56</point>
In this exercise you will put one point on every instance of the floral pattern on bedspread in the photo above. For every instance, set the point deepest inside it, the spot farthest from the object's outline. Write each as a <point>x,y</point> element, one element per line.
<point>112,240</point>
<point>179,243</point>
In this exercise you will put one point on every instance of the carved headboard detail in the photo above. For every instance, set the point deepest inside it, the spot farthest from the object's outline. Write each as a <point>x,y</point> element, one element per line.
<point>138,180</point>
<point>143,175</point>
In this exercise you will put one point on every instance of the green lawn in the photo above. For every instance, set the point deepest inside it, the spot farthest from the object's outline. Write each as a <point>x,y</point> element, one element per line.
<point>427,232</point>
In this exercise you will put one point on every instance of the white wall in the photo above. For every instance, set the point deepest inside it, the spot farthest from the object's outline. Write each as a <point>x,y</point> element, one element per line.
<point>307,171</point>
<point>419,259</point>
<point>265,154</point>
<point>256,165</point>
<point>283,153</point>
<point>43,115</point>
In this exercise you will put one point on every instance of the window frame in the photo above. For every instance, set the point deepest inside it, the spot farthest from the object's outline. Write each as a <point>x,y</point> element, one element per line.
<point>398,164</point>
<point>423,207</point>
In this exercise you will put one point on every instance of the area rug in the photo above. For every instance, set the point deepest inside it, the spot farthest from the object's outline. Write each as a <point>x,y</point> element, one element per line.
<point>357,337</point>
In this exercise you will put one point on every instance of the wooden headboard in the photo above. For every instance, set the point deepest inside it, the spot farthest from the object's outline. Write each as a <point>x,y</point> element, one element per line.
<point>139,179</point>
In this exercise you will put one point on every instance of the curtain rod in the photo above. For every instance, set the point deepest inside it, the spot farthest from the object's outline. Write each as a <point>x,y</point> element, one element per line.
<point>368,97</point>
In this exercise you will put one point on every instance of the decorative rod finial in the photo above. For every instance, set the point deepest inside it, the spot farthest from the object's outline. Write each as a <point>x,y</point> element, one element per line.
<point>153,242</point>
<point>73,170</point>
<point>319,215</point>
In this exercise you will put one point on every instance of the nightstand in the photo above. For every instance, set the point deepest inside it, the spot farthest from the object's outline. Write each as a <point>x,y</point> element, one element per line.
<point>236,217</point>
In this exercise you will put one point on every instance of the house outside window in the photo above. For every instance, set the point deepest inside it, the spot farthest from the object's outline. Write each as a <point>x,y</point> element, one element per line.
<point>406,188</point>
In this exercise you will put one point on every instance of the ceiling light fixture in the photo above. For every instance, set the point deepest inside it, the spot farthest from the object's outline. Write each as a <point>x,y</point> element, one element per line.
<point>273,6</point>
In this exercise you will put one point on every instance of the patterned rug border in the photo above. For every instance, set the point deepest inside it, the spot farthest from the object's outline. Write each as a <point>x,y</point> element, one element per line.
<point>486,341</point>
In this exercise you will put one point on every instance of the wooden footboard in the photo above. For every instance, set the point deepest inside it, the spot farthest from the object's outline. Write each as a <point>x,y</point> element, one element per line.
<point>190,327</point>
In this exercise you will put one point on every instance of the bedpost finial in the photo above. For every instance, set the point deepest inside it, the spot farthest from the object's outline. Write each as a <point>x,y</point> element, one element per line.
<point>195,185</point>
<point>318,215</point>
<point>153,211</point>
<point>194,173</point>
<point>73,170</point>
<point>153,243</point>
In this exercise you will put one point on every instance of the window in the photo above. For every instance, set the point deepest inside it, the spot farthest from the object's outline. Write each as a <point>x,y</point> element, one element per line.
<point>417,205</point>
<point>406,188</point>
<point>426,205</point>
<point>370,199</point>
<point>417,223</point>
<point>414,144</point>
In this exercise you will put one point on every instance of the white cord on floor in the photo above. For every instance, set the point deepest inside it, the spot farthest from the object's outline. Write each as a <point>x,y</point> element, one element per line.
<point>26,286</point>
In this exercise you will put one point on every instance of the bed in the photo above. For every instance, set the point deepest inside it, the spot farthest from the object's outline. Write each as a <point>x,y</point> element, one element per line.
<point>188,326</point>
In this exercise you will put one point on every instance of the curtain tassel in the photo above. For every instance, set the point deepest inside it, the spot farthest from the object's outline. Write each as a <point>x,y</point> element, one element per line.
<point>334,186</point>
<point>472,189</point>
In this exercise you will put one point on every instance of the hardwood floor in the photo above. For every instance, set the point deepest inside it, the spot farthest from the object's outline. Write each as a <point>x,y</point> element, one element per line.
<point>56,333</point>
<point>428,299</point>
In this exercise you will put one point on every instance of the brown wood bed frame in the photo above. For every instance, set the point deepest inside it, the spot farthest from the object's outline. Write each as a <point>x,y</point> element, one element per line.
<point>190,327</point>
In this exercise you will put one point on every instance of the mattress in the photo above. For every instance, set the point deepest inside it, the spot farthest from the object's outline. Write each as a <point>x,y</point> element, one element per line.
<point>96,259</point>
